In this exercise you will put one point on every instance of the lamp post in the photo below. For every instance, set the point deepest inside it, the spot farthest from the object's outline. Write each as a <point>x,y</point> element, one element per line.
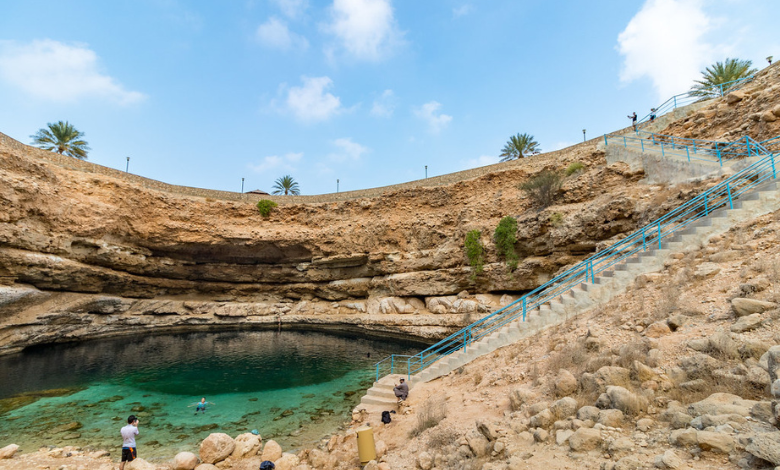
<point>242,185</point>
<point>583,135</point>
<point>127,166</point>
<point>337,185</point>
<point>426,171</point>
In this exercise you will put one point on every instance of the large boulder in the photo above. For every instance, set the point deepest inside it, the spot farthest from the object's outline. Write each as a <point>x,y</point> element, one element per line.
<point>543,419</point>
<point>588,413</point>
<point>216,448</point>
<point>611,418</point>
<point>605,376</point>
<point>565,383</point>
<point>625,401</point>
<point>564,408</point>
<point>669,459</point>
<point>766,446</point>
<point>272,451</point>
<point>773,362</point>
<point>721,404</point>
<point>8,451</point>
<point>185,461</point>
<point>715,441</point>
<point>744,307</point>
<point>585,439</point>
<point>247,444</point>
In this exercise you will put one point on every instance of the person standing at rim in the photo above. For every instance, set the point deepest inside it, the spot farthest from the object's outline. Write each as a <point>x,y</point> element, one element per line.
<point>129,432</point>
<point>633,119</point>
<point>401,391</point>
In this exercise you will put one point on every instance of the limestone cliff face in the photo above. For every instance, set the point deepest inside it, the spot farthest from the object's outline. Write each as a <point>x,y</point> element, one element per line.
<point>97,254</point>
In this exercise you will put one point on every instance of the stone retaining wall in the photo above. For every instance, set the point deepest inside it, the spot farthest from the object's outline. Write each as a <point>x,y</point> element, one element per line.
<point>10,145</point>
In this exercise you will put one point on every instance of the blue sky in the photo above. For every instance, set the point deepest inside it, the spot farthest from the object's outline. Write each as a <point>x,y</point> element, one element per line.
<point>364,91</point>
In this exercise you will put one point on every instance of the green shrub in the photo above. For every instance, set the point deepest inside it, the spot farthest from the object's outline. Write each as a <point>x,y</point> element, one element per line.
<point>430,414</point>
<point>544,187</point>
<point>505,238</point>
<point>475,251</point>
<point>265,206</point>
<point>574,168</point>
<point>556,219</point>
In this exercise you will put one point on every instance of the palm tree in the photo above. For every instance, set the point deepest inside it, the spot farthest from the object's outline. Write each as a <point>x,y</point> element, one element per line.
<point>286,185</point>
<point>62,138</point>
<point>519,146</point>
<point>720,73</point>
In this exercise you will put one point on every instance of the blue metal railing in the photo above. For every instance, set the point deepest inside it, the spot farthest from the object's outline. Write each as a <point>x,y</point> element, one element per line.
<point>689,97</point>
<point>690,149</point>
<point>649,237</point>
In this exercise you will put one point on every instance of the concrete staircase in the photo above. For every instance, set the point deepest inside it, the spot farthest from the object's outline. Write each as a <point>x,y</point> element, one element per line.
<point>761,200</point>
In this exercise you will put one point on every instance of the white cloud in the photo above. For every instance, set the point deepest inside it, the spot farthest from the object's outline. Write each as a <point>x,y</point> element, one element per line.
<point>384,105</point>
<point>348,150</point>
<point>462,10</point>
<point>292,8</point>
<point>365,29</point>
<point>275,162</point>
<point>482,160</point>
<point>428,112</point>
<point>275,34</point>
<point>310,102</point>
<point>55,71</point>
<point>665,41</point>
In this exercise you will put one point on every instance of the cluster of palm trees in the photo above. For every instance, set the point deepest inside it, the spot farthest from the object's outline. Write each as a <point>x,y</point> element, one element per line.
<point>63,138</point>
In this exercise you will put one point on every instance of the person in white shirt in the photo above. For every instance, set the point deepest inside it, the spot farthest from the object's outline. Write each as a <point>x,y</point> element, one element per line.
<point>129,452</point>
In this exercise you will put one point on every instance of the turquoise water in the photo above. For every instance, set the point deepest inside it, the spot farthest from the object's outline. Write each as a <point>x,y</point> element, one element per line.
<point>293,387</point>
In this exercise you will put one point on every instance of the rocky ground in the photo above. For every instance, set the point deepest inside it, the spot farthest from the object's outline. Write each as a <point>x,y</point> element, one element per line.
<point>674,373</point>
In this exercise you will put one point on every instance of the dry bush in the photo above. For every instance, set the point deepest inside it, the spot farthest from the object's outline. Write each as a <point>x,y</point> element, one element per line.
<point>712,385</point>
<point>722,347</point>
<point>430,414</point>
<point>440,438</point>
<point>571,357</point>
<point>477,377</point>
<point>634,351</point>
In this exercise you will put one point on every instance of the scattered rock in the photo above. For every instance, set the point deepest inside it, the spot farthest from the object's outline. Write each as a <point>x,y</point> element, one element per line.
<point>735,97</point>
<point>488,430</point>
<point>272,451</point>
<point>585,439</point>
<point>564,408</point>
<point>565,383</point>
<point>744,307</point>
<point>611,418</point>
<point>706,270</point>
<point>289,461</point>
<point>185,461</point>
<point>765,446</point>
<point>425,461</point>
<point>139,464</point>
<point>588,413</point>
<point>8,451</point>
<point>247,444</point>
<point>683,437</point>
<point>715,441</point>
<point>750,322</point>
<point>562,436</point>
<point>542,419</point>
<point>668,459</point>
<point>216,448</point>
<point>644,424</point>
<point>657,329</point>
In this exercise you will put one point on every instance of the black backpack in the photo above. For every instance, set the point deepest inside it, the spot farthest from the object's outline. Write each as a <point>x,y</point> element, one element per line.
<point>386,417</point>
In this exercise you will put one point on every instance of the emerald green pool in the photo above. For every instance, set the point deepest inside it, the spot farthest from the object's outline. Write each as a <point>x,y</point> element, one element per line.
<point>293,387</point>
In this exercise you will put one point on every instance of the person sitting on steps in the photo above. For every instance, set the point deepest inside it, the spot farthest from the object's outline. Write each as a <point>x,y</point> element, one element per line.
<point>401,390</point>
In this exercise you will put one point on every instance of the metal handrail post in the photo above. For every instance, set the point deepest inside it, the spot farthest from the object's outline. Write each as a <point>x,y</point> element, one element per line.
<point>747,143</point>
<point>772,158</point>
<point>662,150</point>
<point>644,241</point>
<point>642,142</point>
<point>624,142</point>
<point>653,136</point>
<point>706,209</point>
<point>408,369</point>
<point>687,152</point>
<point>694,147</point>
<point>524,299</point>
<point>392,364</point>
<point>675,102</point>
<point>659,234</point>
<point>731,201</point>
<point>605,140</point>
<point>717,149</point>
<point>377,372</point>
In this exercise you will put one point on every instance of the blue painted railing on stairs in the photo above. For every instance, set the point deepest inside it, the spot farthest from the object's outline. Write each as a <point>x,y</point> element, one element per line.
<point>649,237</point>
<point>689,97</point>
<point>690,149</point>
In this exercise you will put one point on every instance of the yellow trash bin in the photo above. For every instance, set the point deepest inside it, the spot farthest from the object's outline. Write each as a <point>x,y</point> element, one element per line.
<point>365,442</point>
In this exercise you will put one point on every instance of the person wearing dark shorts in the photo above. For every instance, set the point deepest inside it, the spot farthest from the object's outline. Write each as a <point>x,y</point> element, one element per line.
<point>129,452</point>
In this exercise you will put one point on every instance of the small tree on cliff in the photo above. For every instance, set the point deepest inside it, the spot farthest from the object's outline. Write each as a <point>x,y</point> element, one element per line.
<point>505,237</point>
<point>720,73</point>
<point>62,138</point>
<point>475,252</point>
<point>286,185</point>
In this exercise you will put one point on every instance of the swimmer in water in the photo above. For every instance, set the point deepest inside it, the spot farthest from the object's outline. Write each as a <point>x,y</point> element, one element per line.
<point>201,405</point>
